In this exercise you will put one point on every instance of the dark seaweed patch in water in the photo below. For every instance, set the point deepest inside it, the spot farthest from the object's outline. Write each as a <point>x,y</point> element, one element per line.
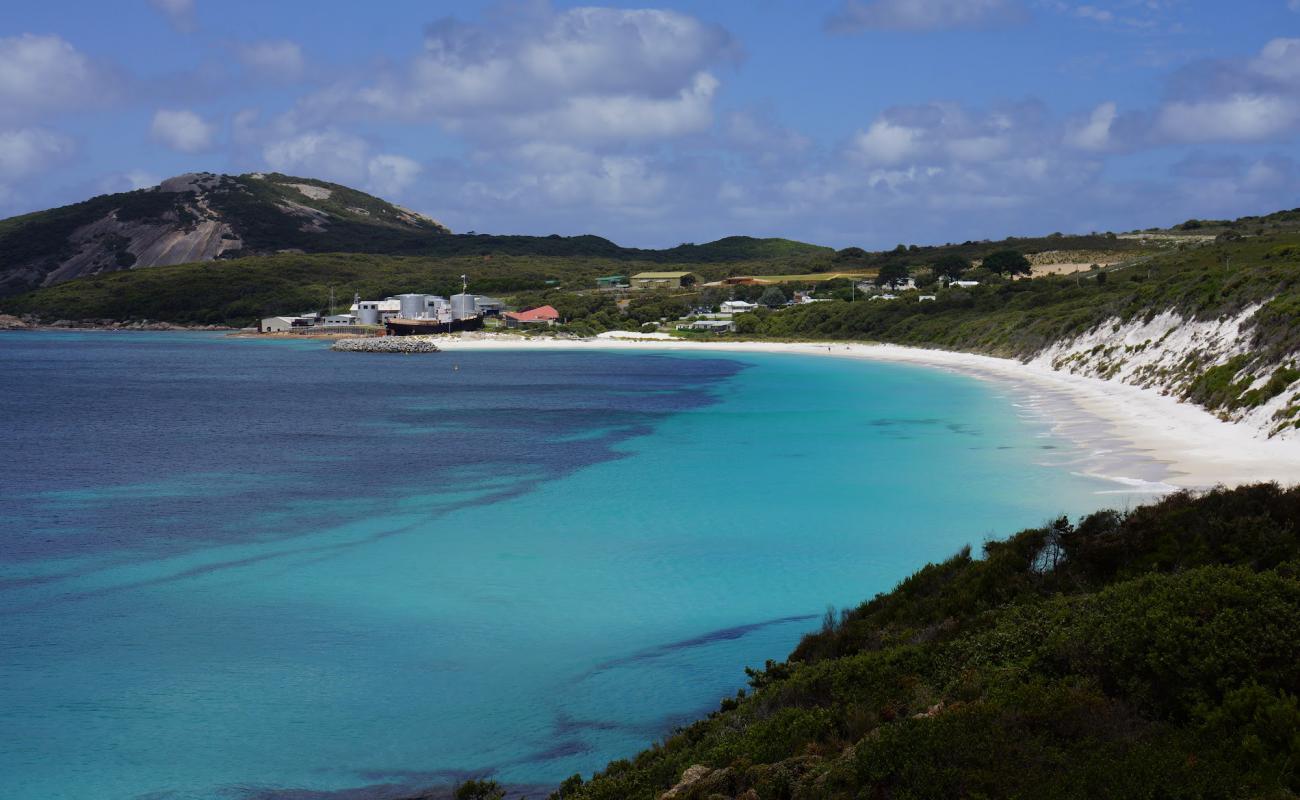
<point>176,444</point>
<point>894,427</point>
<point>721,635</point>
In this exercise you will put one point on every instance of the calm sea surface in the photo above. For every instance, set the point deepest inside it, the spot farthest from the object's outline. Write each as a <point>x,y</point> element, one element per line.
<point>240,569</point>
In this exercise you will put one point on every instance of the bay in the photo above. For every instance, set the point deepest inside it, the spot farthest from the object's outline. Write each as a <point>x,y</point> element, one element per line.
<point>234,568</point>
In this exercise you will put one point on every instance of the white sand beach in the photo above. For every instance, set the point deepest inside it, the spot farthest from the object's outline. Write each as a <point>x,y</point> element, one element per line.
<point>1138,437</point>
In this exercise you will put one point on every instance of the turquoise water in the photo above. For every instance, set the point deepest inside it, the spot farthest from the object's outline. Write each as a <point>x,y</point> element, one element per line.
<point>244,568</point>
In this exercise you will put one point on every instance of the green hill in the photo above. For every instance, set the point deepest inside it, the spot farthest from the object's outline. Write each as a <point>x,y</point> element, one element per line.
<point>200,217</point>
<point>1147,654</point>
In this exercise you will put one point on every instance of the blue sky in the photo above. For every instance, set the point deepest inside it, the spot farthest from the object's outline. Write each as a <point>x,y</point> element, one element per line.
<point>844,122</point>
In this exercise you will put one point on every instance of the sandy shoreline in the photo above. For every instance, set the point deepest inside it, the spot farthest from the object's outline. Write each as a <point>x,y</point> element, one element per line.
<point>1137,437</point>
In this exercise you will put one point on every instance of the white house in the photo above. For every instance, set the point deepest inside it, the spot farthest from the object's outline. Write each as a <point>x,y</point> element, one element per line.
<point>925,298</point>
<point>737,307</point>
<point>709,325</point>
<point>965,284</point>
<point>884,297</point>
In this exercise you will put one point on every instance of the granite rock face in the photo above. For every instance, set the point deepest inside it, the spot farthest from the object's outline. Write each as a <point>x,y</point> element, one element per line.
<point>200,217</point>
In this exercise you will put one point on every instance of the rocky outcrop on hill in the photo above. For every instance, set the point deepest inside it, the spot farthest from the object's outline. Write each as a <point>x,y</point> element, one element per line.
<point>201,217</point>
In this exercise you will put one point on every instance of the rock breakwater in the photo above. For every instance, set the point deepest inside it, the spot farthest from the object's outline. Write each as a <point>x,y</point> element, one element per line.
<point>387,344</point>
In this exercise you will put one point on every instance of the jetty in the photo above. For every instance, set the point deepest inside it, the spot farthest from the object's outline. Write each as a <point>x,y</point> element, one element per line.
<point>387,344</point>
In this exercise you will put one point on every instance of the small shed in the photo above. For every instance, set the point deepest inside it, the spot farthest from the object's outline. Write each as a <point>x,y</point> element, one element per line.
<point>662,280</point>
<point>280,324</point>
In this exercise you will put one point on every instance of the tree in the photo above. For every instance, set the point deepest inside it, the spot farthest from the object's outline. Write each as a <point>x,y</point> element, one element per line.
<point>1007,262</point>
<point>892,275</point>
<point>480,790</point>
<point>570,788</point>
<point>950,267</point>
<point>772,297</point>
<point>851,254</point>
<point>747,323</point>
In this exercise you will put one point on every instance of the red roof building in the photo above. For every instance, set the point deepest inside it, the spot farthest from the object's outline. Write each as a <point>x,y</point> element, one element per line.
<point>542,315</point>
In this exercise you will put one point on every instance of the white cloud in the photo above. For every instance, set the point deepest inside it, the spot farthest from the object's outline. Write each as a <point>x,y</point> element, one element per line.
<point>621,117</point>
<point>278,60</point>
<point>886,143</point>
<point>30,151</point>
<point>939,133</point>
<point>1095,133</point>
<point>341,157</point>
<point>391,174</point>
<point>1280,59</point>
<point>45,74</point>
<point>181,130</point>
<point>1095,14</point>
<point>179,13</point>
<point>1239,117</point>
<point>855,16</point>
<point>594,73</point>
<point>1241,100</point>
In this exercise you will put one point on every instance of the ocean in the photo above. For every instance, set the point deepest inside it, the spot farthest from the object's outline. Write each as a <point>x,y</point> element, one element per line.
<point>259,569</point>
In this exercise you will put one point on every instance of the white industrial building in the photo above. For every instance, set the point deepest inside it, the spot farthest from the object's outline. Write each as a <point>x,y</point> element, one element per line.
<point>282,324</point>
<point>425,306</point>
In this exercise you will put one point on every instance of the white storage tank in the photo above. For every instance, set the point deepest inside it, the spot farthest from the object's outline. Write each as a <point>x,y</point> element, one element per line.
<point>463,306</point>
<point>412,305</point>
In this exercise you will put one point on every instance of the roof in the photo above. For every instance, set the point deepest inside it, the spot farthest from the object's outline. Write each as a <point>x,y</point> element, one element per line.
<point>539,314</point>
<point>611,277</point>
<point>659,275</point>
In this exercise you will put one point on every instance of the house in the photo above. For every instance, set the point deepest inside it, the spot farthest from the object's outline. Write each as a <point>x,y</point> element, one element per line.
<point>737,307</point>
<point>925,298</point>
<point>612,282</point>
<point>709,326</point>
<point>662,280</point>
<point>803,298</point>
<point>541,316</point>
<point>884,297</point>
<point>965,284</point>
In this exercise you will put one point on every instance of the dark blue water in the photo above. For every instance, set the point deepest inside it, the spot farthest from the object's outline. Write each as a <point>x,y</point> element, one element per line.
<point>234,568</point>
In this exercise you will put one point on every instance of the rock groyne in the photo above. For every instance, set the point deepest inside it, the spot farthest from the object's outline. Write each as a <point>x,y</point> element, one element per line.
<point>387,344</point>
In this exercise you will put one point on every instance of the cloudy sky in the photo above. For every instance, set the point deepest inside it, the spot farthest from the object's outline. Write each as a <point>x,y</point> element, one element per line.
<point>864,122</point>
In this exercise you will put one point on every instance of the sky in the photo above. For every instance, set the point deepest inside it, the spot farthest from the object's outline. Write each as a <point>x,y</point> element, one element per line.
<point>841,122</point>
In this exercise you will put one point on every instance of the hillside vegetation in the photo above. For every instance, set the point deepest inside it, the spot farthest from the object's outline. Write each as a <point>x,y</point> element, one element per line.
<point>1216,324</point>
<point>239,290</point>
<point>1148,654</point>
<point>201,217</point>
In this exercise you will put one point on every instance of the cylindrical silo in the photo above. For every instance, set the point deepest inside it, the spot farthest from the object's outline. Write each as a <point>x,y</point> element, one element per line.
<point>462,306</point>
<point>368,312</point>
<point>412,305</point>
